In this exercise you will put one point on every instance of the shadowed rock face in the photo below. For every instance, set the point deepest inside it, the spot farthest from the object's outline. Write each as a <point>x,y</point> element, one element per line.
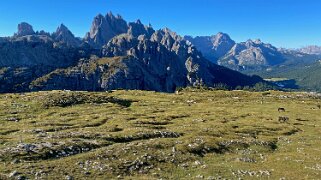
<point>252,53</point>
<point>64,35</point>
<point>126,56</point>
<point>137,28</point>
<point>27,54</point>
<point>165,53</point>
<point>25,29</point>
<point>213,47</point>
<point>222,43</point>
<point>105,28</point>
<point>28,48</point>
<point>161,61</point>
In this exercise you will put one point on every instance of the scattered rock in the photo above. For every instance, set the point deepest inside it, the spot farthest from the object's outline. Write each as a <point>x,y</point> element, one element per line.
<point>13,174</point>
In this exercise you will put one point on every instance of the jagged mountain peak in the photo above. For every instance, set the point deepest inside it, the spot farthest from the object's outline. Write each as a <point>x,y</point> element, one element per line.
<point>221,35</point>
<point>213,47</point>
<point>312,50</point>
<point>62,28</point>
<point>158,60</point>
<point>138,21</point>
<point>253,42</point>
<point>138,28</point>
<point>24,29</point>
<point>105,28</point>
<point>110,16</point>
<point>110,13</point>
<point>64,35</point>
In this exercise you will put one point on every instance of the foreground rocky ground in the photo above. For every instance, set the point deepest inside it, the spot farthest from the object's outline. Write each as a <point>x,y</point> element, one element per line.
<point>137,134</point>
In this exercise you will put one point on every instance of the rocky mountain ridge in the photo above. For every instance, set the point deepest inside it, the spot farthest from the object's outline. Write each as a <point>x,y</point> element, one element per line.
<point>249,55</point>
<point>314,50</point>
<point>114,54</point>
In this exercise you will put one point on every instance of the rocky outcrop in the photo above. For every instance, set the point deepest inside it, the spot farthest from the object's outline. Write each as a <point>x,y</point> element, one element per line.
<point>137,28</point>
<point>64,35</point>
<point>161,61</point>
<point>222,43</point>
<point>251,54</point>
<point>126,56</point>
<point>221,49</point>
<point>28,48</point>
<point>312,50</point>
<point>33,53</point>
<point>107,74</point>
<point>212,47</point>
<point>18,79</point>
<point>165,53</point>
<point>105,28</point>
<point>24,29</point>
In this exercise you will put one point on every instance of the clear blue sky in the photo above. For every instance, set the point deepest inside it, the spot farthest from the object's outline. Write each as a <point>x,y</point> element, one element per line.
<point>284,23</point>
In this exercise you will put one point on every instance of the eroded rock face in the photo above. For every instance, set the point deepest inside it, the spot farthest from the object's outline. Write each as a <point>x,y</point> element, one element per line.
<point>25,29</point>
<point>64,35</point>
<point>252,53</point>
<point>17,79</point>
<point>28,48</point>
<point>32,53</point>
<point>137,28</point>
<point>222,43</point>
<point>249,55</point>
<point>213,47</point>
<point>105,28</point>
<point>312,50</point>
<point>165,53</point>
<point>126,56</point>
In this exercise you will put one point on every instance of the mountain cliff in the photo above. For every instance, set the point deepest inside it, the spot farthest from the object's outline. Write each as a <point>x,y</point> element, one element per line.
<point>104,28</point>
<point>161,61</point>
<point>212,47</point>
<point>251,55</point>
<point>114,54</point>
<point>314,50</point>
<point>64,35</point>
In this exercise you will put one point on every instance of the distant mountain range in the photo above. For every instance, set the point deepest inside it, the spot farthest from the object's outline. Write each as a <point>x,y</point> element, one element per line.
<point>316,50</point>
<point>252,54</point>
<point>300,66</point>
<point>114,54</point>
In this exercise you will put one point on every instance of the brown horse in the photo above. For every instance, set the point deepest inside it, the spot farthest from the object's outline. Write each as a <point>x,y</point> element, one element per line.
<point>283,119</point>
<point>281,109</point>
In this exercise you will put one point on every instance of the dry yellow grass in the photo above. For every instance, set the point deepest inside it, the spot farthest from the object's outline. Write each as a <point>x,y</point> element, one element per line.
<point>147,135</point>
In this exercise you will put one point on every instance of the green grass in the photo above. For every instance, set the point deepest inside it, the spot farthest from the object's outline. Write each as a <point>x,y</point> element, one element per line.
<point>148,135</point>
<point>306,76</point>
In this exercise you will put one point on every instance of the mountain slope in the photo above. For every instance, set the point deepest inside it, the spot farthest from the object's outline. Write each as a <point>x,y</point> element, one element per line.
<point>162,63</point>
<point>114,54</point>
<point>250,55</point>
<point>212,47</point>
<point>315,50</point>
<point>104,28</point>
<point>306,77</point>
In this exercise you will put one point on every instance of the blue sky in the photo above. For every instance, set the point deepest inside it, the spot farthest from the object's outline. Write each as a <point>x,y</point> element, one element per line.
<point>284,23</point>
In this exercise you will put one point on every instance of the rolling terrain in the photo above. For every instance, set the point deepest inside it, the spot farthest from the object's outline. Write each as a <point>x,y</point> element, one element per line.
<point>194,134</point>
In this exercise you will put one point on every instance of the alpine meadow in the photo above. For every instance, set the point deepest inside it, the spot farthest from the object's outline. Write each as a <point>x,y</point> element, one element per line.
<point>212,90</point>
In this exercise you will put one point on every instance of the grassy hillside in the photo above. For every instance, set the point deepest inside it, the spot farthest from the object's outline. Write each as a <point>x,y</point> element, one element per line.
<point>148,135</point>
<point>307,77</point>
